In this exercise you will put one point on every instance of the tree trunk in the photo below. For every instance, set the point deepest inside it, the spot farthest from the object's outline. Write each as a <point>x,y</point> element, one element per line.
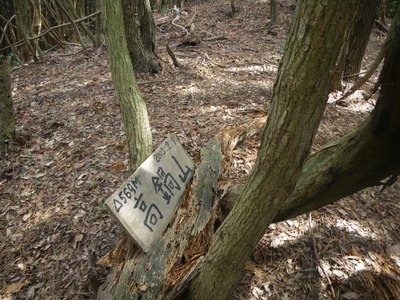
<point>142,57</point>
<point>352,52</point>
<point>7,123</point>
<point>147,27</point>
<point>233,8</point>
<point>98,27</point>
<point>273,12</point>
<point>133,108</point>
<point>74,14</point>
<point>71,19</point>
<point>348,162</point>
<point>359,36</point>
<point>24,26</point>
<point>303,83</point>
<point>362,158</point>
<point>37,17</point>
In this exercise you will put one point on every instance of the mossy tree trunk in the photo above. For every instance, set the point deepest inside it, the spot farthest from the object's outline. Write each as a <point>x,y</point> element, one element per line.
<point>133,108</point>
<point>140,35</point>
<point>7,123</point>
<point>298,102</point>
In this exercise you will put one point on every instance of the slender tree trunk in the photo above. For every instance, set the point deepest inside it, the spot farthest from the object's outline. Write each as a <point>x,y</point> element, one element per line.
<point>71,19</point>
<point>359,36</point>
<point>233,8</point>
<point>303,83</point>
<point>37,17</point>
<point>147,26</point>
<point>7,123</point>
<point>98,27</point>
<point>133,108</point>
<point>352,52</point>
<point>74,14</point>
<point>30,47</point>
<point>273,12</point>
<point>60,20</point>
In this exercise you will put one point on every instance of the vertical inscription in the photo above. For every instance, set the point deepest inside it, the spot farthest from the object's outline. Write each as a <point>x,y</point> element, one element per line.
<point>146,202</point>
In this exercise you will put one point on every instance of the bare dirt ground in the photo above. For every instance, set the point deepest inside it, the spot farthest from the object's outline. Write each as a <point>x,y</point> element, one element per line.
<point>71,154</point>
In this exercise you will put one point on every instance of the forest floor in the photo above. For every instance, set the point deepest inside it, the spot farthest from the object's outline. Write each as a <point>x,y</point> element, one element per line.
<point>71,154</point>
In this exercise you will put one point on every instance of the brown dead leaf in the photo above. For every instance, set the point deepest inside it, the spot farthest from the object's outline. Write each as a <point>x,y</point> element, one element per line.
<point>78,238</point>
<point>15,287</point>
<point>351,295</point>
<point>118,166</point>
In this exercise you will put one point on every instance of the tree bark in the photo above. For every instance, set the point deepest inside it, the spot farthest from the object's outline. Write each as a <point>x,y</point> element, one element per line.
<point>303,83</point>
<point>7,123</point>
<point>362,158</point>
<point>273,8</point>
<point>133,108</point>
<point>74,14</point>
<point>30,47</point>
<point>141,50</point>
<point>359,36</point>
<point>147,26</point>
<point>352,52</point>
<point>347,164</point>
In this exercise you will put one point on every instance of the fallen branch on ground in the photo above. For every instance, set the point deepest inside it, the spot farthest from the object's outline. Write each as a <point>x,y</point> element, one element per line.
<point>173,57</point>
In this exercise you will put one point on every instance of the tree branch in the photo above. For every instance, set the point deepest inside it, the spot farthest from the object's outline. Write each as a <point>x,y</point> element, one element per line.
<point>21,42</point>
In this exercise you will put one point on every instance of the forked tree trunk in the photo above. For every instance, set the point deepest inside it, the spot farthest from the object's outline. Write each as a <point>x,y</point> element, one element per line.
<point>133,108</point>
<point>297,107</point>
<point>7,123</point>
<point>361,159</point>
<point>298,102</point>
<point>358,160</point>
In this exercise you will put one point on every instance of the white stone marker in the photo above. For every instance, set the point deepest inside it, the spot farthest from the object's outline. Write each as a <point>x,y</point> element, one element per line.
<point>147,201</point>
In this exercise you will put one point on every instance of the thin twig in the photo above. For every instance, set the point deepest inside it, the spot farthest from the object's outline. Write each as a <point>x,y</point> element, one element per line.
<point>174,59</point>
<point>215,38</point>
<point>5,28</point>
<point>215,63</point>
<point>189,24</point>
